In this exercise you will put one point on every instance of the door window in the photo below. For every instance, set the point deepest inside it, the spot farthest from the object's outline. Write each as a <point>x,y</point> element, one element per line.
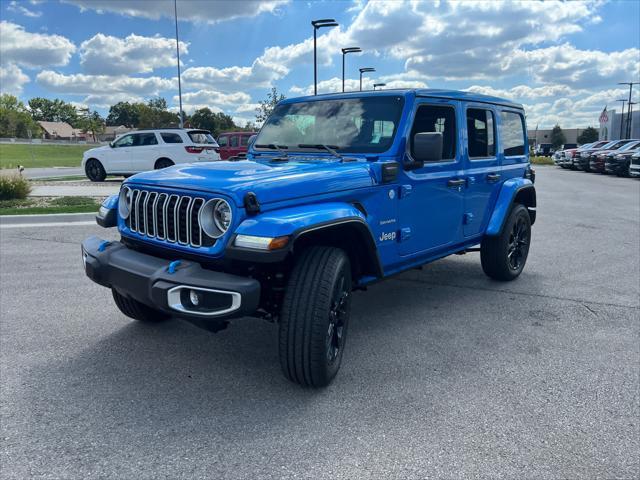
<point>244,140</point>
<point>125,141</point>
<point>480,133</point>
<point>437,118</point>
<point>234,141</point>
<point>223,141</point>
<point>144,139</point>
<point>171,137</point>
<point>512,133</point>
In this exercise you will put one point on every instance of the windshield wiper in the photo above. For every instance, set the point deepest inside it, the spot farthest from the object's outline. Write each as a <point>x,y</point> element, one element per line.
<point>321,146</point>
<point>273,146</point>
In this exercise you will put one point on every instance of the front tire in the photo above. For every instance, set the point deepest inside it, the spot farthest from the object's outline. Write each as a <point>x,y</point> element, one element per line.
<point>136,310</point>
<point>503,256</point>
<point>94,170</point>
<point>314,316</point>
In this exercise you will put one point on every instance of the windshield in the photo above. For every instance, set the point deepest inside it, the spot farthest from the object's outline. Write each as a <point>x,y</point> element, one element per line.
<point>629,146</point>
<point>201,136</point>
<point>359,125</point>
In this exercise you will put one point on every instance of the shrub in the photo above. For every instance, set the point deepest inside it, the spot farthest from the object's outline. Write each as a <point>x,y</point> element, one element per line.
<point>13,187</point>
<point>72,201</point>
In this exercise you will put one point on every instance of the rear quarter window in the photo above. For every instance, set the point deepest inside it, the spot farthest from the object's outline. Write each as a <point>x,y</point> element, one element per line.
<point>512,133</point>
<point>171,137</point>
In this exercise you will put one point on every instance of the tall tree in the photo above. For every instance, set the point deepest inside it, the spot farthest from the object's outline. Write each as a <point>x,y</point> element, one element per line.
<point>53,111</point>
<point>15,119</point>
<point>123,113</point>
<point>215,122</point>
<point>91,122</point>
<point>155,114</point>
<point>267,105</point>
<point>557,137</point>
<point>588,135</point>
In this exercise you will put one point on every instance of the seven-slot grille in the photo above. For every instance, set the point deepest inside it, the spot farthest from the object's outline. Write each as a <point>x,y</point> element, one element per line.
<point>169,217</point>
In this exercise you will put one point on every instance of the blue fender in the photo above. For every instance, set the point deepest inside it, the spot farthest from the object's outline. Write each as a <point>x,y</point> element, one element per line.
<point>293,220</point>
<point>509,191</point>
<point>108,214</point>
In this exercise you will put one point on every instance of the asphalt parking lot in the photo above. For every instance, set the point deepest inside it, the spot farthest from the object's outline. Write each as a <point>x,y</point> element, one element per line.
<point>446,374</point>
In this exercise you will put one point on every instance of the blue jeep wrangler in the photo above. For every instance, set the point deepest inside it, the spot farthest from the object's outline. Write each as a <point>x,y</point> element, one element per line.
<point>337,192</point>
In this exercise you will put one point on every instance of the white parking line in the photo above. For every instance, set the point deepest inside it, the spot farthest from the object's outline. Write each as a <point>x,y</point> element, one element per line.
<point>52,224</point>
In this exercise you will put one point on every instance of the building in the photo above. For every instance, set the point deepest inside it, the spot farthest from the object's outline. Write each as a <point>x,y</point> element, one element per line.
<point>536,137</point>
<point>61,131</point>
<point>112,132</point>
<point>610,125</point>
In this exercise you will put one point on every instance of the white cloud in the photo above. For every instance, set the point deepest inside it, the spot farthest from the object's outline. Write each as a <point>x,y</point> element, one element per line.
<point>15,7</point>
<point>104,85</point>
<point>107,55</point>
<point>12,78</point>
<point>189,10</point>
<point>213,98</point>
<point>33,49</point>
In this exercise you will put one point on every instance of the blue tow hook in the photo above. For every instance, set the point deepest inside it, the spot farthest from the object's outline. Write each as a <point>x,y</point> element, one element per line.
<point>172,267</point>
<point>103,245</point>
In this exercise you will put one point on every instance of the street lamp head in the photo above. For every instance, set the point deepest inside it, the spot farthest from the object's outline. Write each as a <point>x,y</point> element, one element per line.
<point>379,85</point>
<point>324,22</point>
<point>367,69</point>
<point>351,50</point>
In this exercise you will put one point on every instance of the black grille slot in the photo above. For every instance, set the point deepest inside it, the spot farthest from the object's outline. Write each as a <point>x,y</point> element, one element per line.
<point>183,208</point>
<point>162,198</point>
<point>171,225</point>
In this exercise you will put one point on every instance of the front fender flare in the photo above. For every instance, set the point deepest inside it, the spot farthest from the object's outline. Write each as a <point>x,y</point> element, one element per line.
<point>521,188</point>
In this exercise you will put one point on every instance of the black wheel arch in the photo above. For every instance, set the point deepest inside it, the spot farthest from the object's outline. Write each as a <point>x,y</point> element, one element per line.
<point>155,165</point>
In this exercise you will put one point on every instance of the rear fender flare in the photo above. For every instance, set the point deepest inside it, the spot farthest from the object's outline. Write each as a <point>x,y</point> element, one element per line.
<point>520,190</point>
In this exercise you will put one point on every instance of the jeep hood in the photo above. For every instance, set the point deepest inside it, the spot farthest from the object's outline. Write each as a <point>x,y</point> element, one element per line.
<point>270,181</point>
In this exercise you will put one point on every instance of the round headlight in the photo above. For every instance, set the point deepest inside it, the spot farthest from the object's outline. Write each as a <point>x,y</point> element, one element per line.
<point>124,202</point>
<point>215,217</point>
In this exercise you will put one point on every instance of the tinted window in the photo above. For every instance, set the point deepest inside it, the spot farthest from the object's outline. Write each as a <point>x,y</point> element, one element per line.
<point>244,140</point>
<point>171,137</point>
<point>222,141</point>
<point>480,133</point>
<point>125,141</point>
<point>362,125</point>
<point>144,139</point>
<point>201,136</point>
<point>233,141</point>
<point>431,118</point>
<point>512,133</point>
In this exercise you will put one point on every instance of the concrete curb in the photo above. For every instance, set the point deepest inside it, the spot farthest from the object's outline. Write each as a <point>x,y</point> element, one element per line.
<point>48,218</point>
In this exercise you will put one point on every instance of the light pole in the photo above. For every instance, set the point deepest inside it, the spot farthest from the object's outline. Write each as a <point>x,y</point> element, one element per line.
<point>324,22</point>
<point>631,84</point>
<point>344,52</point>
<point>623,100</point>
<point>629,116</point>
<point>365,70</point>
<point>379,85</point>
<point>175,11</point>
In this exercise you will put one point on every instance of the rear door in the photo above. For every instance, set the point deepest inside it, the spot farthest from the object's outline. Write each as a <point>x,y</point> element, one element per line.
<point>431,197</point>
<point>144,152</point>
<point>481,165</point>
<point>223,142</point>
<point>234,145</point>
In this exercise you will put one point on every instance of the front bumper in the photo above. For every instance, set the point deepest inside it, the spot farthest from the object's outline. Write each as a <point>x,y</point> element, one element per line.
<point>616,167</point>
<point>151,281</point>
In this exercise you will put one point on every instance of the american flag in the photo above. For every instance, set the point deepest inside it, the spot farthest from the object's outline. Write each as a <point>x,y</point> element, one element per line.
<point>604,118</point>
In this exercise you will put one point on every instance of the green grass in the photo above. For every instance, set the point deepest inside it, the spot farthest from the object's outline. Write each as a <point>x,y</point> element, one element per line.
<point>55,205</point>
<point>33,155</point>
<point>541,160</point>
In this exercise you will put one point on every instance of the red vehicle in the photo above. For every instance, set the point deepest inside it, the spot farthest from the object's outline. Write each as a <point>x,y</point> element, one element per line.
<point>233,143</point>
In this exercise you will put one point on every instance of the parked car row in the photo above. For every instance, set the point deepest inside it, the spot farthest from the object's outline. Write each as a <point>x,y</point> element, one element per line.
<point>145,150</point>
<point>619,157</point>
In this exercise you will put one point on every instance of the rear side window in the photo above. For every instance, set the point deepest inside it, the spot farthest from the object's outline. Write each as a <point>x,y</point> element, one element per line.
<point>512,133</point>
<point>480,133</point>
<point>234,141</point>
<point>244,140</point>
<point>436,118</point>
<point>144,139</point>
<point>201,136</point>
<point>223,141</point>
<point>171,137</point>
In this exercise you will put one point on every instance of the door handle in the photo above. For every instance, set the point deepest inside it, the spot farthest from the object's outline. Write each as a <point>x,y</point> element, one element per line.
<point>493,177</point>
<point>456,182</point>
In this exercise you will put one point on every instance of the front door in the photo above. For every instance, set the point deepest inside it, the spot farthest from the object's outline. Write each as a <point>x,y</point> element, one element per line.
<point>119,157</point>
<point>431,197</point>
<point>482,169</point>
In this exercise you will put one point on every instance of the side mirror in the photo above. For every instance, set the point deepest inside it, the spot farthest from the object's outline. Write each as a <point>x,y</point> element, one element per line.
<point>427,147</point>
<point>111,144</point>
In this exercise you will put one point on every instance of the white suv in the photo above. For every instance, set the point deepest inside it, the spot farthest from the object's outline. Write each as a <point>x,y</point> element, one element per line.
<point>147,150</point>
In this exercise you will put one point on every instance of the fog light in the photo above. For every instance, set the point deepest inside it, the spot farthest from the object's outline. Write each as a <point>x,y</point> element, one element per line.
<point>194,298</point>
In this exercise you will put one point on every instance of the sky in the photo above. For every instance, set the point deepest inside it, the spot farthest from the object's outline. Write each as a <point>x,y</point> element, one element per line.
<point>562,60</point>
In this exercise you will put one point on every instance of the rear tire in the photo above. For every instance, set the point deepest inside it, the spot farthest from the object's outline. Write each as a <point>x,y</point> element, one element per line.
<point>314,316</point>
<point>136,310</point>
<point>163,163</point>
<point>94,170</point>
<point>503,256</point>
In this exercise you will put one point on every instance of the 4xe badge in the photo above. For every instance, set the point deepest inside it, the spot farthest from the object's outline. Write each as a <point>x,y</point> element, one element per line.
<point>387,236</point>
